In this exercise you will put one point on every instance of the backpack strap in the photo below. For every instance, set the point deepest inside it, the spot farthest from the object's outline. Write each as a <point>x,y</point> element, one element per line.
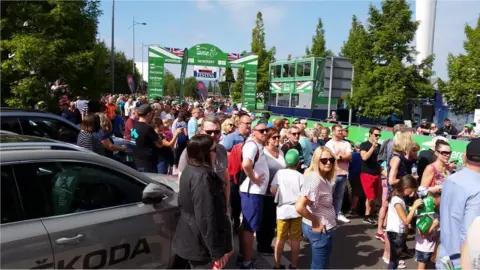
<point>257,156</point>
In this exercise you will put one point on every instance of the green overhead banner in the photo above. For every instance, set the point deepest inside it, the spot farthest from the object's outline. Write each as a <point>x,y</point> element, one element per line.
<point>201,55</point>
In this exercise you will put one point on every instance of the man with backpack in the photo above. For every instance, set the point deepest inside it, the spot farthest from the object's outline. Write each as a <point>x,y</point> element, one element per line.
<point>253,188</point>
<point>237,137</point>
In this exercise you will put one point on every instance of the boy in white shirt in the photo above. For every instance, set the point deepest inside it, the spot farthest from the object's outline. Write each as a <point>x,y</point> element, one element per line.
<point>286,186</point>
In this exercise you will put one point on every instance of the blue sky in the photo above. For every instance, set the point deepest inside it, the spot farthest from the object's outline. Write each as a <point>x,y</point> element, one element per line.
<point>289,25</point>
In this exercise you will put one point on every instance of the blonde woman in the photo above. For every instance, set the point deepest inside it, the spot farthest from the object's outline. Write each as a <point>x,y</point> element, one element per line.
<point>105,136</point>
<point>316,206</point>
<point>228,126</point>
<point>396,169</point>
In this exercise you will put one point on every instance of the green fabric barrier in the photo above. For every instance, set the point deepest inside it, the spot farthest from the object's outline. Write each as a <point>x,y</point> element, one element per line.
<point>360,134</point>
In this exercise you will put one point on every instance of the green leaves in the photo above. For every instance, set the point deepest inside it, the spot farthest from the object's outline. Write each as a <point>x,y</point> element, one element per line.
<point>318,41</point>
<point>385,77</point>
<point>464,72</point>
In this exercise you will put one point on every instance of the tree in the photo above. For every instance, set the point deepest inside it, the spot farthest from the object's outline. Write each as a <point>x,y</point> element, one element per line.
<point>123,69</point>
<point>190,87</point>
<point>170,85</point>
<point>264,57</point>
<point>461,91</point>
<point>289,57</point>
<point>386,78</point>
<point>308,53</point>
<point>210,87</point>
<point>318,41</point>
<point>42,42</point>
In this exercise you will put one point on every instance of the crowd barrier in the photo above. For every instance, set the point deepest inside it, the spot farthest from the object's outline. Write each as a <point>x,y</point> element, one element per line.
<point>359,134</point>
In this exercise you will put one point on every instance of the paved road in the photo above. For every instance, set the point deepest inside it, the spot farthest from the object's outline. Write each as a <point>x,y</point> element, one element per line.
<point>354,246</point>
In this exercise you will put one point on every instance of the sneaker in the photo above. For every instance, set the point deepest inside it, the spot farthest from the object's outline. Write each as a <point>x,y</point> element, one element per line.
<point>291,267</point>
<point>343,219</point>
<point>369,220</point>
<point>265,250</point>
<point>352,213</point>
<point>281,266</point>
<point>251,265</point>
<point>239,260</point>
<point>380,236</point>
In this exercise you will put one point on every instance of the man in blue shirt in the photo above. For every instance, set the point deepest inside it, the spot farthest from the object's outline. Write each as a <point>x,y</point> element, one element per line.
<point>240,134</point>
<point>460,205</point>
<point>193,123</point>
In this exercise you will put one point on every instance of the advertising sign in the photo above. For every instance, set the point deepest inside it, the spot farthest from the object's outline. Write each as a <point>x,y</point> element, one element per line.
<point>155,77</point>
<point>205,73</point>
<point>250,87</point>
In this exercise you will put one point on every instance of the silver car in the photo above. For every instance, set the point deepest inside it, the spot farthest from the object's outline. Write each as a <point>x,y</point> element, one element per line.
<point>41,124</point>
<point>69,208</point>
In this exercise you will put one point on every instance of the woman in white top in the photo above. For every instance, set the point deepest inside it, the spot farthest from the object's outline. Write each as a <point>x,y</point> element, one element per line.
<point>316,206</point>
<point>275,161</point>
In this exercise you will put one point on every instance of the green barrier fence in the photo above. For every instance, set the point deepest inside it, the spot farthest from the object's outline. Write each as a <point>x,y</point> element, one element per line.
<point>360,134</point>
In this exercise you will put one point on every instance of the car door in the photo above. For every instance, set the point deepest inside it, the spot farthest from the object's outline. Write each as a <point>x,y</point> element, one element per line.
<point>95,218</point>
<point>24,242</point>
<point>49,128</point>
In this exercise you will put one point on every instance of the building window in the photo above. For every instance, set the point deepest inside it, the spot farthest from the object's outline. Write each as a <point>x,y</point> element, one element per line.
<point>295,100</point>
<point>283,100</point>
<point>286,70</point>
<point>291,70</point>
<point>303,69</point>
<point>278,71</point>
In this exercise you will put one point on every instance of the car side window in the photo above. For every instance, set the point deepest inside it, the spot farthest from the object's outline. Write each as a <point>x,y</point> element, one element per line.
<point>58,188</point>
<point>49,128</point>
<point>11,124</point>
<point>11,205</point>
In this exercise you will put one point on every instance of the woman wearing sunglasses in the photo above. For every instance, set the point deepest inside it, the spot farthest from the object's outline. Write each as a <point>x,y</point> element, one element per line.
<point>316,206</point>
<point>436,172</point>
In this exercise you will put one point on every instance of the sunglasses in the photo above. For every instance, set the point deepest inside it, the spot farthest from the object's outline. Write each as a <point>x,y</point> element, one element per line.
<point>324,161</point>
<point>295,134</point>
<point>210,132</point>
<point>276,137</point>
<point>264,130</point>
<point>445,153</point>
<point>377,135</point>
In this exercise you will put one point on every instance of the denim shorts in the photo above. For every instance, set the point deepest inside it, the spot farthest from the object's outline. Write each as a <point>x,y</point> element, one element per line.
<point>423,257</point>
<point>252,210</point>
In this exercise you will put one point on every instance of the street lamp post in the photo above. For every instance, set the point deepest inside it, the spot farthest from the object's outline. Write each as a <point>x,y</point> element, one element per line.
<point>112,49</point>
<point>133,25</point>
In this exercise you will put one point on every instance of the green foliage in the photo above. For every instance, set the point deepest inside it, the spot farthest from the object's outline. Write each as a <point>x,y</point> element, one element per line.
<point>264,57</point>
<point>385,77</point>
<point>42,42</point>
<point>318,41</point>
<point>308,53</point>
<point>190,87</point>
<point>123,69</point>
<point>171,85</point>
<point>210,87</point>
<point>461,91</point>
<point>229,75</point>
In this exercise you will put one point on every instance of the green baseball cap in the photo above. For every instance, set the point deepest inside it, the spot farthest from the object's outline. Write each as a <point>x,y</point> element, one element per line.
<point>292,157</point>
<point>257,122</point>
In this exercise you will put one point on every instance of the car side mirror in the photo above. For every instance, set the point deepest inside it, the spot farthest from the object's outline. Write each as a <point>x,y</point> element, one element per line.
<point>153,193</point>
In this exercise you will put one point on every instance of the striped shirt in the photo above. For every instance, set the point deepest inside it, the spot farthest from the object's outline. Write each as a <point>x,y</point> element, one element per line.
<point>319,192</point>
<point>88,141</point>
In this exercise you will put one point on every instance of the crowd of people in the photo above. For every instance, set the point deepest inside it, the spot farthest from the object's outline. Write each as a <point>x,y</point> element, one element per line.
<point>469,132</point>
<point>265,178</point>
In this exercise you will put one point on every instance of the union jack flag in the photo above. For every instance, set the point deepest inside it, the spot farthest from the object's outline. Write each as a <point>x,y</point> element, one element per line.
<point>176,51</point>
<point>234,56</point>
